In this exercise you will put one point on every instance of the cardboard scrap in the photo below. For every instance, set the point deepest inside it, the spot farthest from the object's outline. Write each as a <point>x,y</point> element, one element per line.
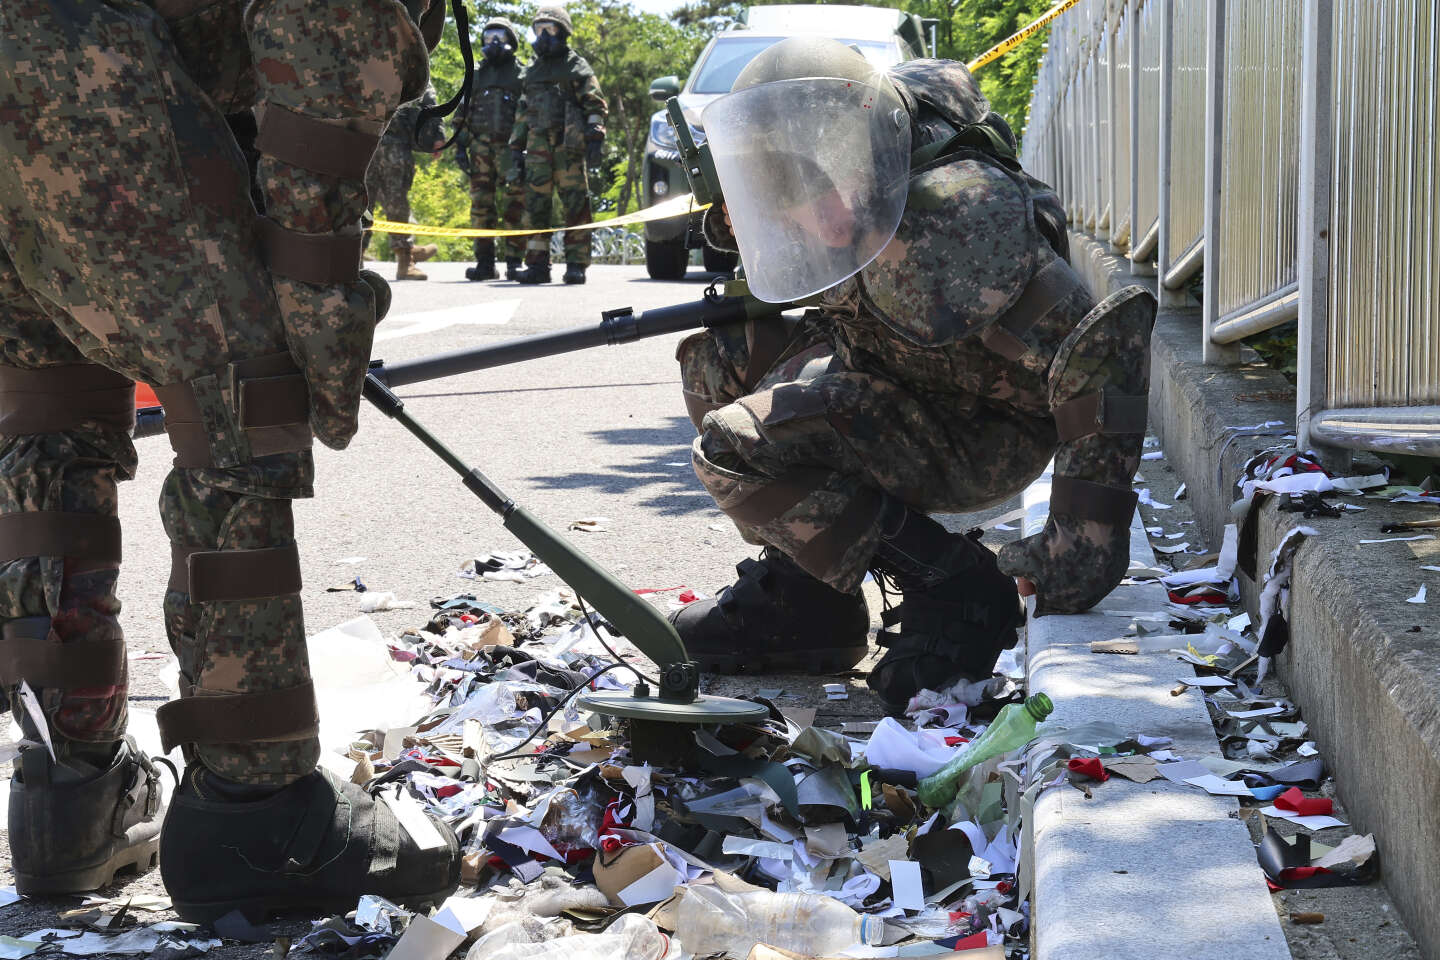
<point>636,875</point>
<point>1138,769</point>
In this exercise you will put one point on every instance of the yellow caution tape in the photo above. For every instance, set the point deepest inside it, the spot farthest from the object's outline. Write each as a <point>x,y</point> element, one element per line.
<point>1020,36</point>
<point>675,207</point>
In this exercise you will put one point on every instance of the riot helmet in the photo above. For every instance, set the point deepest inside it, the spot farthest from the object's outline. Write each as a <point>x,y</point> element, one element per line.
<point>812,148</point>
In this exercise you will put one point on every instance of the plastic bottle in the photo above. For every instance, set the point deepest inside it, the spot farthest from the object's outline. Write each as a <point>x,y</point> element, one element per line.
<point>632,937</point>
<point>712,921</point>
<point>1014,726</point>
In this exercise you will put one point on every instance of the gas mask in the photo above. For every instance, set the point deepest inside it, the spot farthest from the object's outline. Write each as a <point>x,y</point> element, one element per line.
<point>549,38</point>
<point>496,44</point>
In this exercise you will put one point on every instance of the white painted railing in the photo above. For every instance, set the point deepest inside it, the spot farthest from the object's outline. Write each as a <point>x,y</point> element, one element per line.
<point>1286,149</point>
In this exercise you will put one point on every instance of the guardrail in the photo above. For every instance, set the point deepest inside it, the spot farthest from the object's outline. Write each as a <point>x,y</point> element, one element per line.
<point>1285,149</point>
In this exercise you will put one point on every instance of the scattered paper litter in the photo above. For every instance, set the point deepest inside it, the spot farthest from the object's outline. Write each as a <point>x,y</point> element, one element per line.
<point>1149,501</point>
<point>1431,568</point>
<point>9,896</point>
<point>1217,787</point>
<point>1153,455</point>
<point>836,691</point>
<point>349,561</point>
<point>1172,547</point>
<point>1419,597</point>
<point>1418,536</point>
<point>1309,823</point>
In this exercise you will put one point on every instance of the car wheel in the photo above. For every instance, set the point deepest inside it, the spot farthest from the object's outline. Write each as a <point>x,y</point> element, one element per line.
<point>719,261</point>
<point>666,260</point>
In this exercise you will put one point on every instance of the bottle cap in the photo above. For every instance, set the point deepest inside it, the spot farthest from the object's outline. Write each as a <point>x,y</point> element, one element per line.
<point>872,930</point>
<point>1039,706</point>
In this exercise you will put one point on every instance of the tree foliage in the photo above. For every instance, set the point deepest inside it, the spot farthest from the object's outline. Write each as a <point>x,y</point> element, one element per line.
<point>629,48</point>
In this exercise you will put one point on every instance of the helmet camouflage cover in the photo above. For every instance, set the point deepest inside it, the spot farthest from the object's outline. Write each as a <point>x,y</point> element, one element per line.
<point>557,14</point>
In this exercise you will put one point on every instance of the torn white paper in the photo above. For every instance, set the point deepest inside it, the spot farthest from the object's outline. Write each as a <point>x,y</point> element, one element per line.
<point>1309,823</point>
<point>1215,786</point>
<point>1418,536</point>
<point>907,885</point>
<point>1419,596</point>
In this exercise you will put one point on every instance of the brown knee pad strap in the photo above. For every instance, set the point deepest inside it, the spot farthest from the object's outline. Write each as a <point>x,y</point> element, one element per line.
<point>323,147</point>
<point>30,651</point>
<point>1084,500</point>
<point>1101,411</point>
<point>286,714</point>
<point>209,576</point>
<point>56,399</point>
<point>272,404</point>
<point>90,537</point>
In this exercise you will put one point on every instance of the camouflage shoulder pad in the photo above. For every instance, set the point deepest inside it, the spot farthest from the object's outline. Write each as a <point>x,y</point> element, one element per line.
<point>962,255</point>
<point>579,67</point>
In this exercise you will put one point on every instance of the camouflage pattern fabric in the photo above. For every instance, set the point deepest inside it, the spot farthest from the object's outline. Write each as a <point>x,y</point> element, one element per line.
<point>128,240</point>
<point>388,180</point>
<point>895,385</point>
<point>392,168</point>
<point>560,105</point>
<point>483,125</point>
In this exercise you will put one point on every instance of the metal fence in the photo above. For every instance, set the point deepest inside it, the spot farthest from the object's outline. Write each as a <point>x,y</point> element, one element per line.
<point>1287,149</point>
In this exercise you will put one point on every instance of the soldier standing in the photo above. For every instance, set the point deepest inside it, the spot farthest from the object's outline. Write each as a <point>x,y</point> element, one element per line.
<point>560,130</point>
<point>255,328</point>
<point>482,139</point>
<point>392,172</point>
<point>953,354</point>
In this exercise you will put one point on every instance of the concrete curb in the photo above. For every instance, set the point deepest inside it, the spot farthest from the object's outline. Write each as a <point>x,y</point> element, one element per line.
<point>1142,871</point>
<point>1363,665</point>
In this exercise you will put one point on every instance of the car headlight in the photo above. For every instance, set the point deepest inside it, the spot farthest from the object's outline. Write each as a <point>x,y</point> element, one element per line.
<point>661,133</point>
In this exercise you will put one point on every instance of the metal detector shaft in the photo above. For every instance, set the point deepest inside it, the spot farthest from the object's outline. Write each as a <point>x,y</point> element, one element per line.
<point>616,326</point>
<point>641,623</point>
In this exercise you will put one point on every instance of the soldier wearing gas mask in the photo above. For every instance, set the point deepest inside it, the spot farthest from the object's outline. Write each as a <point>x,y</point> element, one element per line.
<point>953,355</point>
<point>558,133</point>
<point>482,144</point>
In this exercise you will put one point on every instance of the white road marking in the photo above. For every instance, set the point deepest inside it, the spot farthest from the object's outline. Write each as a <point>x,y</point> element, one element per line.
<point>494,314</point>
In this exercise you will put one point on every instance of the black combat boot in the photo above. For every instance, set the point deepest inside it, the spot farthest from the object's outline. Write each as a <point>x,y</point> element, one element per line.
<point>484,268</point>
<point>314,846</point>
<point>512,268</point>
<point>574,273</point>
<point>958,610</point>
<point>775,619</point>
<point>72,827</point>
<point>537,270</point>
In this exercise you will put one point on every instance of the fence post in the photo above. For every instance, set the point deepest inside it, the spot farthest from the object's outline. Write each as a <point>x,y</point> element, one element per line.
<point>1313,229</point>
<point>1215,147</point>
<point>1136,268</point>
<point>1163,253</point>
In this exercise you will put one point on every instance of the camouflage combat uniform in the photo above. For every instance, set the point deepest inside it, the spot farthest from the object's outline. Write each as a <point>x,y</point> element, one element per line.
<point>947,374</point>
<point>482,129</point>
<point>392,169</point>
<point>130,249</point>
<point>560,104</point>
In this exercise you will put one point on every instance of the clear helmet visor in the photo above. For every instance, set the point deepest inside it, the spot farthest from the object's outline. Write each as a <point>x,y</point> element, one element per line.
<point>815,172</point>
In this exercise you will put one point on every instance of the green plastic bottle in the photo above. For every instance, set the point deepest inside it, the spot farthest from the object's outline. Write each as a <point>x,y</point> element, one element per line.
<point>1014,726</point>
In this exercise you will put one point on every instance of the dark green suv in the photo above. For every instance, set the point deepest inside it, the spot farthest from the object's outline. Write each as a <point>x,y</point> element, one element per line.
<point>886,36</point>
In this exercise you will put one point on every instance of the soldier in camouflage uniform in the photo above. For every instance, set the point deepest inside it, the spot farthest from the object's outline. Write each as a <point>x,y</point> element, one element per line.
<point>256,330</point>
<point>391,173</point>
<point>482,143</point>
<point>947,363</point>
<point>560,129</point>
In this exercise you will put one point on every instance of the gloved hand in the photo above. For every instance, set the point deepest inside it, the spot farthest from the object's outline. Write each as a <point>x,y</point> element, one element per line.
<point>517,166</point>
<point>593,152</point>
